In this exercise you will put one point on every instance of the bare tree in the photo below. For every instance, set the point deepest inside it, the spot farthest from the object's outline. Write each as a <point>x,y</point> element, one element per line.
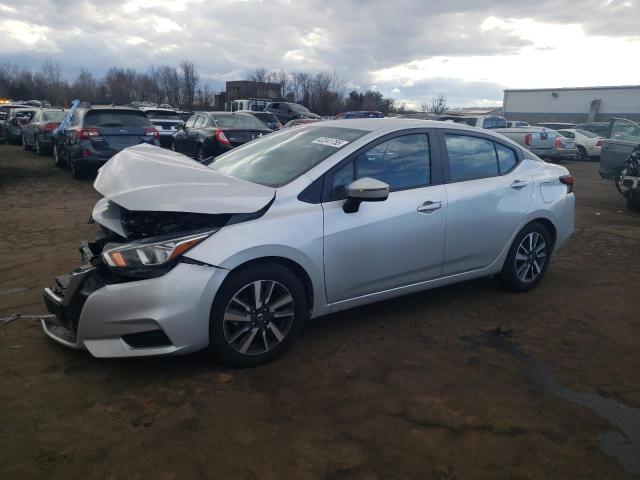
<point>190,80</point>
<point>439,103</point>
<point>424,107</point>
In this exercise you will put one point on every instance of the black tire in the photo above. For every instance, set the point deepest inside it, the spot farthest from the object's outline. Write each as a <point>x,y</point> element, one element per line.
<point>236,282</point>
<point>200,154</point>
<point>25,145</point>
<point>510,276</point>
<point>58,161</point>
<point>40,151</point>
<point>77,171</point>
<point>633,201</point>
<point>582,154</point>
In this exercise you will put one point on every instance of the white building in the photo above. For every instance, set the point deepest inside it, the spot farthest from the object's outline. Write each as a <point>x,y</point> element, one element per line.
<point>582,104</point>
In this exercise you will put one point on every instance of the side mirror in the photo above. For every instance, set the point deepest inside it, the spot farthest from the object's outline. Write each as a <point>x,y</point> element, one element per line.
<point>365,190</point>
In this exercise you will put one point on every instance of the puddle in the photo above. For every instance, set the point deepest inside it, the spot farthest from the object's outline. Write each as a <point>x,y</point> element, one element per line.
<point>624,444</point>
<point>9,291</point>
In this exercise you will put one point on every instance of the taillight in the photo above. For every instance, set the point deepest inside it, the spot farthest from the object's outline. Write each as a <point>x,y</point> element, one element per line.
<point>527,139</point>
<point>558,143</point>
<point>153,132</point>
<point>87,133</point>
<point>50,127</point>
<point>568,181</point>
<point>222,138</point>
<point>278,126</point>
<point>599,143</point>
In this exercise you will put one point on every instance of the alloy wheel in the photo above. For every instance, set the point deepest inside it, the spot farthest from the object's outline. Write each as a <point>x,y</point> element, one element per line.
<point>258,317</point>
<point>530,257</point>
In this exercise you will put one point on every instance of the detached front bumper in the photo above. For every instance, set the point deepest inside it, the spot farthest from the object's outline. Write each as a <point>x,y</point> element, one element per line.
<point>156,316</point>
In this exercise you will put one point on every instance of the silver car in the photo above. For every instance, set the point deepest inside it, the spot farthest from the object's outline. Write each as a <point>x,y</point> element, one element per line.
<point>237,255</point>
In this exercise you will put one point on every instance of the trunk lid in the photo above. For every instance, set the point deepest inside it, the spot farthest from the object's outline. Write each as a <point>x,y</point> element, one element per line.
<point>117,138</point>
<point>149,178</point>
<point>239,136</point>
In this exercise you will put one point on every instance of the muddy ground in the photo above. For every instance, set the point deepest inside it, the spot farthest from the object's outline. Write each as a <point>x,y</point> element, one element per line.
<point>408,388</point>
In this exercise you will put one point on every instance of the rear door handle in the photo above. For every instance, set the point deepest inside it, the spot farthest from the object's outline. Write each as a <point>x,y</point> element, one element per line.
<point>517,184</point>
<point>429,206</point>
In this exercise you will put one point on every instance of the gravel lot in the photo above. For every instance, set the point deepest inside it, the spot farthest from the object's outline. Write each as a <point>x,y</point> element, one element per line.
<point>416,387</point>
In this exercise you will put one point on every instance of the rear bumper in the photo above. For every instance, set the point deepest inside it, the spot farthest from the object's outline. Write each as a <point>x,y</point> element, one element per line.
<point>159,316</point>
<point>559,154</point>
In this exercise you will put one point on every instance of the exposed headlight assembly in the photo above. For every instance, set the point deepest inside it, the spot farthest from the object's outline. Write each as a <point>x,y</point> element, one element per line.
<point>151,253</point>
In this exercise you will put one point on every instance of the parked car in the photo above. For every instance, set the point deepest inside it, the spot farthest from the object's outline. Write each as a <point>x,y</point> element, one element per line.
<point>269,119</point>
<point>250,105</point>
<point>480,121</point>
<point>300,121</point>
<point>286,111</point>
<point>97,133</point>
<point>166,121</point>
<point>516,123</point>
<point>601,129</point>
<point>556,125</point>
<point>12,126</point>
<point>624,137</point>
<point>37,132</point>
<point>538,140</point>
<point>209,134</point>
<point>588,143</point>
<point>359,114</point>
<point>303,222</point>
<point>565,149</point>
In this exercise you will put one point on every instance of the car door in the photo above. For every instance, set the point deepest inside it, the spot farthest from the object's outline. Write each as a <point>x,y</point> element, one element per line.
<point>488,195</point>
<point>180,137</point>
<point>625,135</point>
<point>388,244</point>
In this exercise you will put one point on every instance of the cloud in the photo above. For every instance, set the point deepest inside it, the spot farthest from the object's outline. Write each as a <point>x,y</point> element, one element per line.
<point>401,45</point>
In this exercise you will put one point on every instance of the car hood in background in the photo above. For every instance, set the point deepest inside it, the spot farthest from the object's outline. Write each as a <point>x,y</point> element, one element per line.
<point>148,178</point>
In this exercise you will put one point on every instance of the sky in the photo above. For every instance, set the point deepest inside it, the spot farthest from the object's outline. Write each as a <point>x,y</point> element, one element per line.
<point>410,50</point>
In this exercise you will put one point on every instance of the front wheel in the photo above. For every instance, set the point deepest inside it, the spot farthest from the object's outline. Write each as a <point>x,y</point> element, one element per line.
<point>582,153</point>
<point>57,157</point>
<point>25,145</point>
<point>256,315</point>
<point>528,258</point>
<point>39,150</point>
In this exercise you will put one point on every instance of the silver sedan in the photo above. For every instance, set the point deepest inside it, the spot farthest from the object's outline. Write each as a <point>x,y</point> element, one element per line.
<point>236,256</point>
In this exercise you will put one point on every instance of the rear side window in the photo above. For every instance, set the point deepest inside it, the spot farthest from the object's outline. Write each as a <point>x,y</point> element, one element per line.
<point>401,162</point>
<point>506,158</point>
<point>471,157</point>
<point>191,121</point>
<point>200,121</point>
<point>115,118</point>
<point>494,122</point>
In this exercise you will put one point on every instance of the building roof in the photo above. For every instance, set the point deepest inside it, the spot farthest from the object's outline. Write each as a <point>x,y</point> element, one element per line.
<point>614,87</point>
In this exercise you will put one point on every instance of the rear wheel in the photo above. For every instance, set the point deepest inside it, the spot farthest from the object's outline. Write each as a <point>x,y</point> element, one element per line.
<point>77,171</point>
<point>58,161</point>
<point>200,154</point>
<point>25,145</point>
<point>528,258</point>
<point>256,315</point>
<point>39,149</point>
<point>582,153</point>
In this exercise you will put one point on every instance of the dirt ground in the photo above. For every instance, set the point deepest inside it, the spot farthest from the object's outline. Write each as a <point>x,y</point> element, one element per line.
<point>409,388</point>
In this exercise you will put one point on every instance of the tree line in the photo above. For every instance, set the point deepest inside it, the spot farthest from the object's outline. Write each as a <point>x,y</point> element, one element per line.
<point>182,87</point>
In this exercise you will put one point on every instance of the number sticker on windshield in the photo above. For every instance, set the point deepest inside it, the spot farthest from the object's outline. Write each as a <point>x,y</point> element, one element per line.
<point>331,142</point>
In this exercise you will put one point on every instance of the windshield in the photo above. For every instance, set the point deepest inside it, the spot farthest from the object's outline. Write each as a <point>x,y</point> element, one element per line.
<point>279,158</point>
<point>234,120</point>
<point>116,118</point>
<point>55,116</point>
<point>586,133</point>
<point>162,115</point>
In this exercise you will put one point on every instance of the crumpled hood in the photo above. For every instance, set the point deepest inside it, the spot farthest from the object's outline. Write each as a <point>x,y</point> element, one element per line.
<point>145,177</point>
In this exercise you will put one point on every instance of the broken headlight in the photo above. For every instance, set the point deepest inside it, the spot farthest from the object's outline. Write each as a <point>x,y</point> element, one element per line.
<point>151,252</point>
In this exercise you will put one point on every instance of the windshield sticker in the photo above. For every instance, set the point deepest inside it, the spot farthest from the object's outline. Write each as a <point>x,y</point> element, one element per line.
<point>331,142</point>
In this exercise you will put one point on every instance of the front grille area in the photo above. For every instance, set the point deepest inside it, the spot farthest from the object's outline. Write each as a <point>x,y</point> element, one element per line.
<point>148,339</point>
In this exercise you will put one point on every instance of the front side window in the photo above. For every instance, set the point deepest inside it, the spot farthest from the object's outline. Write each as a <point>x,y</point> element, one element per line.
<point>471,157</point>
<point>278,158</point>
<point>401,162</point>
<point>191,121</point>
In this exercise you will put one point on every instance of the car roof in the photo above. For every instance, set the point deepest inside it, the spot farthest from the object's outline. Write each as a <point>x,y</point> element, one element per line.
<point>157,109</point>
<point>109,107</point>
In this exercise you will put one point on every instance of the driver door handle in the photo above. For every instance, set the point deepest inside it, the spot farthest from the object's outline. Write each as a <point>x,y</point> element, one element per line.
<point>429,206</point>
<point>517,184</point>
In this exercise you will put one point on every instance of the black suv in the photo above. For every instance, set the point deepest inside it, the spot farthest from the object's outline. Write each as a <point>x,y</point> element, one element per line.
<point>97,133</point>
<point>286,111</point>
